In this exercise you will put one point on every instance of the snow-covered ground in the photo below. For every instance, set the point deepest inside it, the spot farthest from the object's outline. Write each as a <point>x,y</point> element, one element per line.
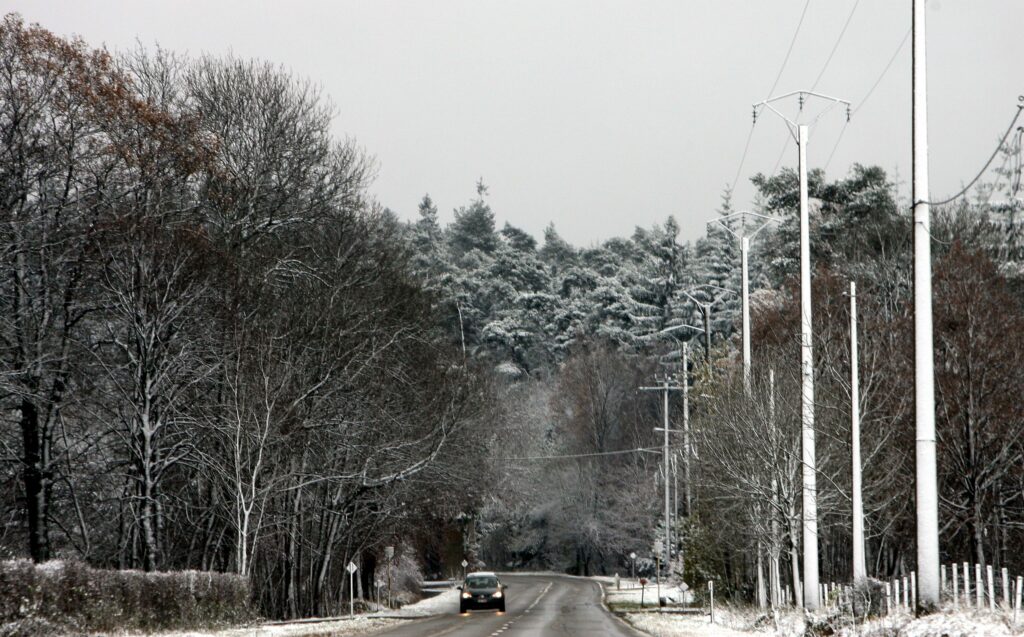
<point>629,592</point>
<point>731,622</point>
<point>663,625</point>
<point>359,626</point>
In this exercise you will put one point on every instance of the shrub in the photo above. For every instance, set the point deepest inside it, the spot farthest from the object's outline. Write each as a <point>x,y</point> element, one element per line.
<point>73,597</point>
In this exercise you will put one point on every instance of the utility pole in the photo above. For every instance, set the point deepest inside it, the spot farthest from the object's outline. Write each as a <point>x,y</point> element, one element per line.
<point>810,479</point>
<point>686,426</point>
<point>745,281</point>
<point>705,310</point>
<point>744,250</point>
<point>811,594</point>
<point>665,388</point>
<point>774,571</point>
<point>924,373</point>
<point>860,570</point>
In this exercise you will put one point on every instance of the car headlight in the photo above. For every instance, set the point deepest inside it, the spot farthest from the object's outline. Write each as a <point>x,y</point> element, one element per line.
<point>466,594</point>
<point>496,594</point>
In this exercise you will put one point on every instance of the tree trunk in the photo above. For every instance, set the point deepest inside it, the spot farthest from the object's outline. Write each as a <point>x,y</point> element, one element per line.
<point>36,452</point>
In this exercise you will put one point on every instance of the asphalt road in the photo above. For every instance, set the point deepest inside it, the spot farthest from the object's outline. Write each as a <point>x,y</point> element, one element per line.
<point>536,606</point>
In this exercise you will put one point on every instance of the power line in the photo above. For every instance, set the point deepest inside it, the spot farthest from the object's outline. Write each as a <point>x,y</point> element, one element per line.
<point>778,76</point>
<point>836,147</point>
<point>881,76</point>
<point>782,153</point>
<point>792,42</point>
<point>877,81</point>
<point>587,455</point>
<point>743,158</point>
<point>999,146</point>
<point>835,46</point>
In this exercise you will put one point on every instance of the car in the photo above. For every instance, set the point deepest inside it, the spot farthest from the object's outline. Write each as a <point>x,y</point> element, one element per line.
<point>481,590</point>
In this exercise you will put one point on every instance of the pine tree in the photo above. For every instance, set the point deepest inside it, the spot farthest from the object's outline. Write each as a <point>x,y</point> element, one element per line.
<point>473,228</point>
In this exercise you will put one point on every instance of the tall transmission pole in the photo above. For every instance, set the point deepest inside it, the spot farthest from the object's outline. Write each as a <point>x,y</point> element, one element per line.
<point>809,525</point>
<point>860,570</point>
<point>924,373</point>
<point>745,279</point>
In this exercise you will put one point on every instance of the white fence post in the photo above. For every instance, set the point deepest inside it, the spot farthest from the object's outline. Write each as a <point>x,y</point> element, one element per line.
<point>1006,588</point>
<point>1016,599</point>
<point>967,586</point>
<point>991,587</point>
<point>711,592</point>
<point>956,587</point>
<point>888,598</point>
<point>979,588</point>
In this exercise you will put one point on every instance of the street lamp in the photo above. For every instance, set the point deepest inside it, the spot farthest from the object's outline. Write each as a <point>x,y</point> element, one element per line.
<point>632,566</point>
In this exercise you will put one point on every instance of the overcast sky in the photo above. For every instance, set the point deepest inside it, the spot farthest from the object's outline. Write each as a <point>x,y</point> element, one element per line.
<point>599,115</point>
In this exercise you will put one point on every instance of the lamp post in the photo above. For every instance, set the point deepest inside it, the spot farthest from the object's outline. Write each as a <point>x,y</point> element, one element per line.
<point>812,599</point>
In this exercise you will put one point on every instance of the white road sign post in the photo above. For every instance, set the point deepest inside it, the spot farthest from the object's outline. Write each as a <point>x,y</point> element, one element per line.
<point>351,568</point>
<point>464,565</point>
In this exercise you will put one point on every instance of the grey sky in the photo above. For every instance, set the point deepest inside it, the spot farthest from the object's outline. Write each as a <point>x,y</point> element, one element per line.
<point>600,115</point>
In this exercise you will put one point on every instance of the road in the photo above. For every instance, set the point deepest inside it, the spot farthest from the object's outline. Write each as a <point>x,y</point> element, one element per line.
<point>537,606</point>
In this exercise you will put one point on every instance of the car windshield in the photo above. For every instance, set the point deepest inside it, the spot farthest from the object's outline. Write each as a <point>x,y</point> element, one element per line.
<point>482,581</point>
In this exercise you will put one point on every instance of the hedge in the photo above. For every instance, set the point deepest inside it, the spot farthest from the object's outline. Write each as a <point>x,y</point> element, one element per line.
<point>69,597</point>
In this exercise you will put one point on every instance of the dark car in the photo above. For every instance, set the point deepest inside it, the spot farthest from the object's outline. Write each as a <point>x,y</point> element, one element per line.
<point>482,590</point>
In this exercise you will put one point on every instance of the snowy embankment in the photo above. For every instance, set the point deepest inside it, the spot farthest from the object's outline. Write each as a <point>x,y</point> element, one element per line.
<point>358,626</point>
<point>737,622</point>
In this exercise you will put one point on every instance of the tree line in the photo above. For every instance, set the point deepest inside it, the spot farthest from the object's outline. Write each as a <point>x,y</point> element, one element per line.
<point>220,352</point>
<point>572,332</point>
<point>215,354</point>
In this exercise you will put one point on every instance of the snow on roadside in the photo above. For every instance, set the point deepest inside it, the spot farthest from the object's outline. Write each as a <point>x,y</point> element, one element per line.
<point>736,623</point>
<point>359,626</point>
<point>630,593</point>
<point>356,627</point>
<point>446,602</point>
<point>665,625</point>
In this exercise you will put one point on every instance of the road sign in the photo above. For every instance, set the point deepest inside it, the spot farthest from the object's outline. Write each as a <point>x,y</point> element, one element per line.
<point>465,563</point>
<point>389,552</point>
<point>352,568</point>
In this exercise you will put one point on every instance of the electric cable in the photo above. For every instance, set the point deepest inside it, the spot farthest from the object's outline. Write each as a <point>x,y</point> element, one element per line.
<point>877,81</point>
<point>586,455</point>
<point>836,146</point>
<point>881,76</point>
<point>999,146</point>
<point>790,50</point>
<point>778,76</point>
<point>835,46</point>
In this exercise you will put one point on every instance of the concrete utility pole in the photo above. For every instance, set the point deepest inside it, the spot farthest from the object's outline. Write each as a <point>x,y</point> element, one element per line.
<point>860,569</point>
<point>705,310</point>
<point>745,282</point>
<point>924,373</point>
<point>686,426</point>
<point>810,479</point>
<point>811,593</point>
<point>666,388</point>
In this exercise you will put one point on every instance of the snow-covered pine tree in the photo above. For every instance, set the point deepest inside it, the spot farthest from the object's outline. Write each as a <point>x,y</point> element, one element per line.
<point>473,228</point>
